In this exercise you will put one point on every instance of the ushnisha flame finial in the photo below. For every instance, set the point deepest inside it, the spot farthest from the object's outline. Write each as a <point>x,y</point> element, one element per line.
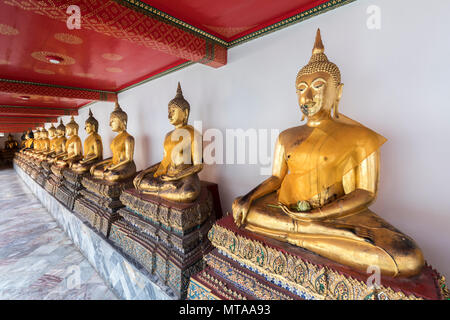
<point>319,62</point>
<point>72,123</point>
<point>179,99</point>
<point>119,113</point>
<point>91,120</point>
<point>318,44</point>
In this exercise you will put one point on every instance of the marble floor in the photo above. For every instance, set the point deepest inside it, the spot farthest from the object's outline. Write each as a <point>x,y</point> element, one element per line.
<point>37,259</point>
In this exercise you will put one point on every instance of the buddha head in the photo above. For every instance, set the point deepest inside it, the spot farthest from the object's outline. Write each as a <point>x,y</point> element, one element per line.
<point>72,127</point>
<point>52,132</point>
<point>37,134</point>
<point>91,124</point>
<point>179,109</point>
<point>118,119</point>
<point>318,84</point>
<point>10,137</point>
<point>61,129</point>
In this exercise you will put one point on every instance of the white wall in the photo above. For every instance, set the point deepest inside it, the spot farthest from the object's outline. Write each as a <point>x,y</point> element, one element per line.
<point>396,83</point>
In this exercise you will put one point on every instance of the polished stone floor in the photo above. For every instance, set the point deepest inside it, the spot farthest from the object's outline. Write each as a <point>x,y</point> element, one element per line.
<point>37,259</point>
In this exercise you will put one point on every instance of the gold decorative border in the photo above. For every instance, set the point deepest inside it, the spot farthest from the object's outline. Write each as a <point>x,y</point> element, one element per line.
<point>300,275</point>
<point>156,13</point>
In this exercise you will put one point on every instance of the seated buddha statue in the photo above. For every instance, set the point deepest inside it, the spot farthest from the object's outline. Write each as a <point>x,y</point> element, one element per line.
<point>10,143</point>
<point>121,166</point>
<point>51,134</point>
<point>44,141</point>
<point>59,144</point>
<point>73,149</point>
<point>93,147</point>
<point>28,144</point>
<point>175,177</point>
<point>325,175</point>
<point>36,144</point>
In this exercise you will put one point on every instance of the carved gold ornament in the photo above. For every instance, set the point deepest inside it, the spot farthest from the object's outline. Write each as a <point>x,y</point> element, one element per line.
<point>112,56</point>
<point>114,70</point>
<point>68,38</point>
<point>7,30</point>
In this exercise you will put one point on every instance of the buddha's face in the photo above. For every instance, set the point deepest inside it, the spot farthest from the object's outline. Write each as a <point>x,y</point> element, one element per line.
<point>44,135</point>
<point>176,115</point>
<point>316,92</point>
<point>116,124</point>
<point>60,133</point>
<point>89,127</point>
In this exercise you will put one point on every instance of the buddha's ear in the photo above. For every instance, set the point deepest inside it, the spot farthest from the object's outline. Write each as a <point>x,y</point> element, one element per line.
<point>186,115</point>
<point>340,89</point>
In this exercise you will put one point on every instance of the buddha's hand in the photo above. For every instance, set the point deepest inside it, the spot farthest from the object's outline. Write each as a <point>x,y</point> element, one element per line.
<point>240,209</point>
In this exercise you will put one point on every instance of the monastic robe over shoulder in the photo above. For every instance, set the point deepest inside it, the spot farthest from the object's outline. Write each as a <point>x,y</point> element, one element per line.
<point>330,151</point>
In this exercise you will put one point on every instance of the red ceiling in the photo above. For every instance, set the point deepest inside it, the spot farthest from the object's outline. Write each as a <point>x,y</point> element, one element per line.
<point>120,43</point>
<point>125,62</point>
<point>231,19</point>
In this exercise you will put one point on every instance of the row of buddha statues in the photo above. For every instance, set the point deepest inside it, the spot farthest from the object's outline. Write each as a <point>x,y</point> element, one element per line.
<point>173,178</point>
<point>325,175</point>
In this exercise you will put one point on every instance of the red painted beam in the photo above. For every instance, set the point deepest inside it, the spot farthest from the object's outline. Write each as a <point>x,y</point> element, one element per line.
<point>21,125</point>
<point>15,130</point>
<point>30,88</point>
<point>24,120</point>
<point>36,111</point>
<point>138,23</point>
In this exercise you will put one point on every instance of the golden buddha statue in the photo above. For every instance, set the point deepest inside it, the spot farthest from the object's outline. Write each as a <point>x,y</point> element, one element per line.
<point>121,166</point>
<point>325,175</point>
<point>10,143</point>
<point>93,146</point>
<point>73,149</point>
<point>51,135</point>
<point>44,141</point>
<point>175,177</point>
<point>58,143</point>
<point>28,144</point>
<point>37,142</point>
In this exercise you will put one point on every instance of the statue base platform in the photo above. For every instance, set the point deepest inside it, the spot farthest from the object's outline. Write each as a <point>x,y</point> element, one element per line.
<point>44,173</point>
<point>70,188</point>
<point>99,201</point>
<point>168,238</point>
<point>54,181</point>
<point>251,266</point>
<point>127,279</point>
<point>35,169</point>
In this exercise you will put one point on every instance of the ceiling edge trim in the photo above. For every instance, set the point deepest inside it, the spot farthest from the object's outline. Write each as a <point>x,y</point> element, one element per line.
<point>160,15</point>
<point>56,86</point>
<point>320,9</point>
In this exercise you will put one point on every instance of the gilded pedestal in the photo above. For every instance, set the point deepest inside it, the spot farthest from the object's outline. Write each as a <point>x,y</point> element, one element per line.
<point>70,188</point>
<point>251,266</point>
<point>99,201</point>
<point>167,238</point>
